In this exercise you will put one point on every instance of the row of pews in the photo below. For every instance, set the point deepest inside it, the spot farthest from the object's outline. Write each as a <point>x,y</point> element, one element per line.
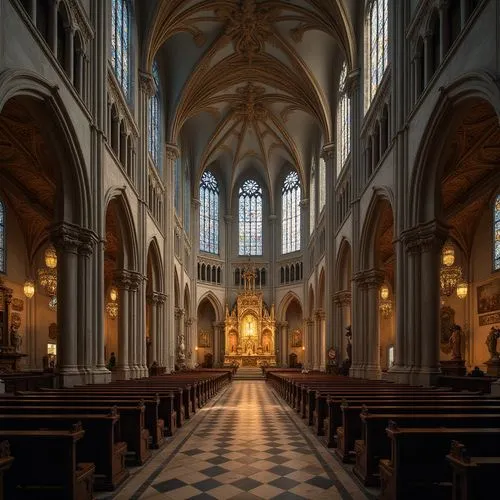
<point>68,443</point>
<point>412,442</point>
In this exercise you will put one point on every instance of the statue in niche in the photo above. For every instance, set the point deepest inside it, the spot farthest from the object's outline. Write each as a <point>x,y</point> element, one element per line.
<point>349,344</point>
<point>455,342</point>
<point>491,342</point>
<point>447,319</point>
<point>15,339</point>
<point>233,341</point>
<point>266,343</point>
<point>181,347</point>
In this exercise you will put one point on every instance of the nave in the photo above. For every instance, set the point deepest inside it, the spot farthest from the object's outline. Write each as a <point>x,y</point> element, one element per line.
<point>245,444</point>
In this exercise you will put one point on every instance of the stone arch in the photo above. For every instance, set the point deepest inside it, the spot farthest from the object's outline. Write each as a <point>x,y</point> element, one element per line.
<point>424,197</point>
<point>343,270</point>
<point>177,292</point>
<point>116,200</point>
<point>321,289</point>
<point>285,302</point>
<point>154,259</point>
<point>311,303</point>
<point>75,205</point>
<point>216,304</point>
<point>369,249</point>
<point>187,301</point>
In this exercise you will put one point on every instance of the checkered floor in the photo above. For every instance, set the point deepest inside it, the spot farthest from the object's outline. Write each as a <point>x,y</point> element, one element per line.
<point>246,445</point>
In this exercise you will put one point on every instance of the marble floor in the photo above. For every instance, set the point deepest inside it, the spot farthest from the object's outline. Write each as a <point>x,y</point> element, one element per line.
<point>244,444</point>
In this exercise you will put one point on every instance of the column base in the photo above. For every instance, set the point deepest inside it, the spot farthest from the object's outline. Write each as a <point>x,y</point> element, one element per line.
<point>398,374</point>
<point>101,375</point>
<point>425,376</point>
<point>70,378</point>
<point>121,373</point>
<point>373,372</point>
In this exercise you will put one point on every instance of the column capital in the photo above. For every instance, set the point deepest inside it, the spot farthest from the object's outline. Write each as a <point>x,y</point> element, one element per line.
<point>272,218</point>
<point>172,151</point>
<point>196,203</point>
<point>328,152</point>
<point>67,237</point>
<point>425,237</point>
<point>304,203</point>
<point>352,81</point>
<point>342,298</point>
<point>228,218</point>
<point>281,324</point>
<point>122,279</point>
<point>371,278</point>
<point>147,83</point>
<point>179,313</point>
<point>319,314</point>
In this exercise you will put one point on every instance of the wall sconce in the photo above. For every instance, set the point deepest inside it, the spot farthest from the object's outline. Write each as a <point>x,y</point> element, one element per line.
<point>462,290</point>
<point>29,289</point>
<point>196,348</point>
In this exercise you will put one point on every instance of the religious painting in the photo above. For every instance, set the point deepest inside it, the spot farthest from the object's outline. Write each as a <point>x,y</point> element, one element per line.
<point>447,316</point>
<point>17,304</point>
<point>203,338</point>
<point>296,337</point>
<point>489,319</point>
<point>488,297</point>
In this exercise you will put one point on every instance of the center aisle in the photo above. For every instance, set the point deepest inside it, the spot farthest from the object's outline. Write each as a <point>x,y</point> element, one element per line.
<point>244,445</point>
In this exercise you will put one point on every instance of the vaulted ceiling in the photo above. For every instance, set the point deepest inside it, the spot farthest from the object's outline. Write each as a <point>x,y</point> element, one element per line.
<point>251,83</point>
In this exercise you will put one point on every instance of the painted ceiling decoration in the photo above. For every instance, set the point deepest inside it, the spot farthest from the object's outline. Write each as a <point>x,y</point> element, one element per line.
<point>252,84</point>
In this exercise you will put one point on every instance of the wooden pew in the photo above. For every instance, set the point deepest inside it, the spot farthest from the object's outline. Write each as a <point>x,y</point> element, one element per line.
<point>335,404</point>
<point>45,466</point>
<point>5,462</point>
<point>418,467</point>
<point>351,428</point>
<point>374,445</point>
<point>474,478</point>
<point>131,419</point>
<point>98,445</point>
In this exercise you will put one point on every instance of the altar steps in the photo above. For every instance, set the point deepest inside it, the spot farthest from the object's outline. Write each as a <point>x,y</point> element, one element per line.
<point>249,373</point>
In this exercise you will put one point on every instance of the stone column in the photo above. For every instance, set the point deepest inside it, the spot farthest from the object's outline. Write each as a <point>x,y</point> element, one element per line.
<point>67,241</point>
<point>323,346</point>
<point>52,28</point>
<point>70,52</point>
<point>309,344</point>
<point>427,57</point>
<point>188,323</point>
<point>374,280</point>
<point>161,354</point>
<point>123,283</point>
<point>273,253</point>
<point>153,327</point>
<point>444,31</point>
<point>181,338</point>
<point>133,351</point>
<point>284,343</point>
<point>432,237</point>
<point>358,325</point>
<point>172,153</point>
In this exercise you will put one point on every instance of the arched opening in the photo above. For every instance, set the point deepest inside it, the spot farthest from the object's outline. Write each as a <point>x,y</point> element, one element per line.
<point>294,334</point>
<point>204,352</point>
<point>343,300</point>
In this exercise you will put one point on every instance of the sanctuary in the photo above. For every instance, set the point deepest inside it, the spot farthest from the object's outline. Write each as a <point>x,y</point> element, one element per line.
<point>250,327</point>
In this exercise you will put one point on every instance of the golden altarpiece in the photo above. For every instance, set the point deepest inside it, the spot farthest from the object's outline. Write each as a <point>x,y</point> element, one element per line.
<point>250,328</point>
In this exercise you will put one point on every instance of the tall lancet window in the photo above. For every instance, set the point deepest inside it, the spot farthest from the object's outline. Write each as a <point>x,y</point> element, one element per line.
<point>322,183</point>
<point>177,186</point>
<point>290,212</point>
<point>209,213</point>
<point>343,122</point>
<point>3,244</point>
<point>377,51</point>
<point>250,218</point>
<point>121,15</point>
<point>496,234</point>
<point>312,198</point>
<point>154,123</point>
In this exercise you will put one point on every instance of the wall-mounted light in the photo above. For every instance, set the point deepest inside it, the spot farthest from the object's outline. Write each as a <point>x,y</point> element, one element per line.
<point>29,288</point>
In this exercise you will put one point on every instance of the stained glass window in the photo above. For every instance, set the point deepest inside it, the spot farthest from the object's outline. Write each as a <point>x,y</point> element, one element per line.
<point>496,234</point>
<point>120,42</point>
<point>250,218</point>
<point>343,122</point>
<point>322,184</point>
<point>154,129</point>
<point>312,198</point>
<point>187,199</point>
<point>378,36</point>
<point>3,248</point>
<point>290,213</point>
<point>209,213</point>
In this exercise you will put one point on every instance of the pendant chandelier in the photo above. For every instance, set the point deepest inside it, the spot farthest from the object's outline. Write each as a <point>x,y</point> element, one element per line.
<point>450,275</point>
<point>385,304</point>
<point>47,275</point>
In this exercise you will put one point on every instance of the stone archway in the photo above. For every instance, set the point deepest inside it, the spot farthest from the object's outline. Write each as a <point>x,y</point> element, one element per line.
<point>44,188</point>
<point>342,299</point>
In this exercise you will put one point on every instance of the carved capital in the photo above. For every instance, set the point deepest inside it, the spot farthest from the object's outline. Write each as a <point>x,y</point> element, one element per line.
<point>343,298</point>
<point>179,313</point>
<point>66,237</point>
<point>172,152</point>
<point>147,83</point>
<point>328,152</point>
<point>122,279</point>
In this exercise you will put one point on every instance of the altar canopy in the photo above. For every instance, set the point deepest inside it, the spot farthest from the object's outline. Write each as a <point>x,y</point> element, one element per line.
<point>250,327</point>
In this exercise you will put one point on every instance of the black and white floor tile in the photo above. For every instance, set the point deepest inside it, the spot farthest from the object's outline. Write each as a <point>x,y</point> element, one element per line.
<point>244,445</point>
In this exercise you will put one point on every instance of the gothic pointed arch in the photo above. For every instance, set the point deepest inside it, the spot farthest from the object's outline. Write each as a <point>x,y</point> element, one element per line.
<point>216,304</point>
<point>285,303</point>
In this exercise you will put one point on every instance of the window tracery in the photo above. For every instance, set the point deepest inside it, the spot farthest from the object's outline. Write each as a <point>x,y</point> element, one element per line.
<point>120,43</point>
<point>377,50</point>
<point>290,203</point>
<point>343,122</point>
<point>209,213</point>
<point>154,122</point>
<point>312,198</point>
<point>250,218</point>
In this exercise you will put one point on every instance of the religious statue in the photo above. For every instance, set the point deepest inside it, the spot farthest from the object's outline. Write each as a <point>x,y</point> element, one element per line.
<point>491,342</point>
<point>181,347</point>
<point>349,344</point>
<point>15,339</point>
<point>455,342</point>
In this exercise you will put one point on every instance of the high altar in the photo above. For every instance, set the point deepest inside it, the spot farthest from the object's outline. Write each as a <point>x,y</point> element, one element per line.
<point>250,328</point>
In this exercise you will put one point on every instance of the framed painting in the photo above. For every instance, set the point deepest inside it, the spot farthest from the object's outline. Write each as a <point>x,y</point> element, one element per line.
<point>488,297</point>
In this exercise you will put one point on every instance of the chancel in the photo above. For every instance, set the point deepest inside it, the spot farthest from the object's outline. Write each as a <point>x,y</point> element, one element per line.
<point>223,219</point>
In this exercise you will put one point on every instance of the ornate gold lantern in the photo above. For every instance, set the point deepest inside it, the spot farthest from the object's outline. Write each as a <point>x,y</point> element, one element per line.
<point>385,304</point>
<point>51,257</point>
<point>462,290</point>
<point>29,289</point>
